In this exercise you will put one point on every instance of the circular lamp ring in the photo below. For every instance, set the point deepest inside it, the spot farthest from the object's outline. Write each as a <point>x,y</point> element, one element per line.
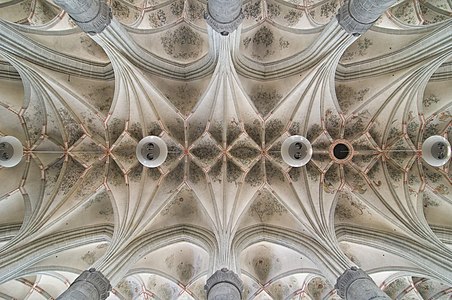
<point>151,151</point>
<point>341,151</point>
<point>436,151</point>
<point>11,151</point>
<point>296,151</point>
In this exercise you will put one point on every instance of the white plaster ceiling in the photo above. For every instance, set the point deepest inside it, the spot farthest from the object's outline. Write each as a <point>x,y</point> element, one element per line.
<point>224,197</point>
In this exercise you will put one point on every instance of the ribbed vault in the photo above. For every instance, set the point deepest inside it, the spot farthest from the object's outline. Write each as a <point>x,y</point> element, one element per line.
<point>80,103</point>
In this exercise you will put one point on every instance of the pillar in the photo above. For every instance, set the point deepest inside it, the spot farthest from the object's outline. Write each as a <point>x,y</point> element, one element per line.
<point>90,285</point>
<point>355,284</point>
<point>92,16</point>
<point>357,16</point>
<point>224,285</point>
<point>224,16</point>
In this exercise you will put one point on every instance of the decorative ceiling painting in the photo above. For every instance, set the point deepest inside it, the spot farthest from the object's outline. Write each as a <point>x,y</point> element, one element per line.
<point>223,105</point>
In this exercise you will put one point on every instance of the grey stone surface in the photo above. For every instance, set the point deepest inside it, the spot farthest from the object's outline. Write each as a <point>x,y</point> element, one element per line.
<point>224,16</point>
<point>357,16</point>
<point>355,284</point>
<point>90,285</point>
<point>92,16</point>
<point>224,285</point>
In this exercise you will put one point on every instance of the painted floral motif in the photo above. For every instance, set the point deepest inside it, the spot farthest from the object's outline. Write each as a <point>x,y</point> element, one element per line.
<point>331,179</point>
<point>244,152</point>
<point>264,98</point>
<point>355,180</point>
<point>273,10</point>
<point>412,131</point>
<point>316,287</point>
<point>273,130</point>
<point>314,131</point>
<point>395,288</point>
<point>442,189</point>
<point>430,100</point>
<point>432,176</point>
<point>26,5</point>
<point>263,36</point>
<point>246,42</point>
<point>356,124</point>
<point>266,206</point>
<point>262,40</point>
<point>233,131</point>
<point>294,128</point>
<point>405,12</point>
<point>115,127</point>
<point>283,44</point>
<point>43,13</point>
<point>428,202</point>
<point>436,19</point>
<point>293,16</point>
<point>394,173</point>
<point>120,10</point>
<point>255,176</point>
<point>445,116</point>
<point>332,123</point>
<point>401,152</point>
<point>394,133</point>
<point>73,130</point>
<point>182,43</point>
<point>363,45</point>
<point>348,208</point>
<point>177,8</point>
<point>274,174</point>
<point>346,96</point>
<point>373,172</point>
<point>430,129</point>
<point>130,289</point>
<point>106,210</point>
<point>328,9</point>
<point>359,50</point>
<point>124,152</point>
<point>252,10</point>
<point>195,11</point>
<point>158,18</point>
<point>312,172</point>
<point>312,13</point>
<point>184,97</point>
<point>196,174</point>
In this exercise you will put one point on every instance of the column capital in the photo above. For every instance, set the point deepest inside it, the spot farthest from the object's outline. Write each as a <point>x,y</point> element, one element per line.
<point>224,284</point>
<point>90,285</point>
<point>92,16</point>
<point>347,278</point>
<point>224,28</point>
<point>224,16</point>
<point>355,284</point>
<point>357,16</point>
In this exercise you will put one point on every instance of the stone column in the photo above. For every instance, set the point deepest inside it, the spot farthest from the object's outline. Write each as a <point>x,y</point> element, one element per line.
<point>224,285</point>
<point>357,16</point>
<point>90,285</point>
<point>92,16</point>
<point>355,284</point>
<point>224,16</point>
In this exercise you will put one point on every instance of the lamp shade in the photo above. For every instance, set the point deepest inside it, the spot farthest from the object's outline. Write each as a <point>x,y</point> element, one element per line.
<point>11,151</point>
<point>436,151</point>
<point>151,151</point>
<point>296,151</point>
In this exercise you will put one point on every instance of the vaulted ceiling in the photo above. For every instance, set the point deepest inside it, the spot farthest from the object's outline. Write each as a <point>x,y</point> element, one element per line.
<point>223,104</point>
